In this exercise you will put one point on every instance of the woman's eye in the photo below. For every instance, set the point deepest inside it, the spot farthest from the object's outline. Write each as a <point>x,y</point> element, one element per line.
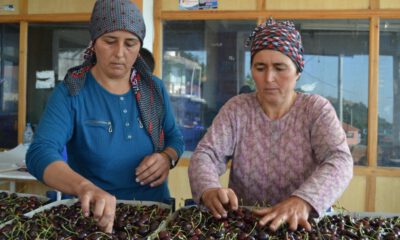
<point>131,44</point>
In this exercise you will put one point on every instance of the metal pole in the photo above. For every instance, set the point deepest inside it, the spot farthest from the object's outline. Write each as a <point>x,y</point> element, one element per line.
<point>340,87</point>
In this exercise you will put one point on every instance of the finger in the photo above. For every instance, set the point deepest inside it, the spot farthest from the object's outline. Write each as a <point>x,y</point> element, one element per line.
<point>109,227</point>
<point>106,222</point>
<point>98,209</point>
<point>150,175</point>
<point>219,207</point>
<point>293,223</point>
<point>213,210</point>
<point>85,205</point>
<point>277,222</point>
<point>223,196</point>
<point>107,219</point>
<point>266,218</point>
<point>144,165</point>
<point>142,176</point>
<point>160,180</point>
<point>305,224</point>
<point>262,211</point>
<point>233,200</point>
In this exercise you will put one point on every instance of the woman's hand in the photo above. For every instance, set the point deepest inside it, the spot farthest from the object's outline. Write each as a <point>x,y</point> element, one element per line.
<point>103,205</point>
<point>219,200</point>
<point>294,210</point>
<point>153,170</point>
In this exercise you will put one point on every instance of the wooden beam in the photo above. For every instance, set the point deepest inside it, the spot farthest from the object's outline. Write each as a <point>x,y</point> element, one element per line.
<point>377,171</point>
<point>213,15</point>
<point>22,76</point>
<point>10,19</point>
<point>157,45</point>
<point>373,92</point>
<point>289,14</point>
<point>47,18</point>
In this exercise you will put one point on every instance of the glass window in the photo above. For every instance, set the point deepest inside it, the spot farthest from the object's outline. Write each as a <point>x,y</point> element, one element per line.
<point>9,50</point>
<point>336,67</point>
<point>52,50</point>
<point>389,95</point>
<point>204,64</point>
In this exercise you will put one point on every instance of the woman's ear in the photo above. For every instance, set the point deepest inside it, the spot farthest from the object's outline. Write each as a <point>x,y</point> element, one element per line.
<point>298,76</point>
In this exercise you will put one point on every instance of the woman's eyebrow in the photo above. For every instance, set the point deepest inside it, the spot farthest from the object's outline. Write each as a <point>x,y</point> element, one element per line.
<point>259,64</point>
<point>280,64</point>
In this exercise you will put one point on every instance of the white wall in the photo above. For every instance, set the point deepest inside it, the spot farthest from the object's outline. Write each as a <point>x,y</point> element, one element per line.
<point>148,20</point>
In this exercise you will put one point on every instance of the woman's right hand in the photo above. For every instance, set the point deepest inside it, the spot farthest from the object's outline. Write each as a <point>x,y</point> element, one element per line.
<point>219,200</point>
<point>103,205</point>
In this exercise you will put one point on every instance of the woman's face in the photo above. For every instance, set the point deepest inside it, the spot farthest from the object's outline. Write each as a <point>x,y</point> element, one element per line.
<point>275,76</point>
<point>116,52</point>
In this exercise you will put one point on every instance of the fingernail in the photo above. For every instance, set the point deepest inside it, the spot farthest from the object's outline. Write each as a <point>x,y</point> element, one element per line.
<point>224,215</point>
<point>137,179</point>
<point>141,183</point>
<point>86,214</point>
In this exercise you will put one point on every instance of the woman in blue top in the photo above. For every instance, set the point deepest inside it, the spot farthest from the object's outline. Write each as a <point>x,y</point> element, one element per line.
<point>115,119</point>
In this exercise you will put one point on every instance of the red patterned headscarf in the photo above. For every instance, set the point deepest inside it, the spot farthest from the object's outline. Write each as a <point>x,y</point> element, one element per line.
<point>280,36</point>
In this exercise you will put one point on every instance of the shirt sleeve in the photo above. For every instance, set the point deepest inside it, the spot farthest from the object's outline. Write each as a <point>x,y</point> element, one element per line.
<point>335,163</point>
<point>51,134</point>
<point>173,136</point>
<point>209,159</point>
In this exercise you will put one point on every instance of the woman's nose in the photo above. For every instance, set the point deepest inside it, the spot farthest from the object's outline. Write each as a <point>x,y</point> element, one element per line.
<point>269,76</point>
<point>119,51</point>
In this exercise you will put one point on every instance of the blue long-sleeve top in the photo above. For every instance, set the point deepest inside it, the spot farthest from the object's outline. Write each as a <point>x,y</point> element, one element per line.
<point>105,139</point>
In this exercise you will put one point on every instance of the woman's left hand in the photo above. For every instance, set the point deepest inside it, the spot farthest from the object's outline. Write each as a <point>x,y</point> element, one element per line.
<point>294,210</point>
<point>153,170</point>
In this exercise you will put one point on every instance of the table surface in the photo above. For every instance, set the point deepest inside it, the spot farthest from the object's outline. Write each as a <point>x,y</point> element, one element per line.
<point>12,167</point>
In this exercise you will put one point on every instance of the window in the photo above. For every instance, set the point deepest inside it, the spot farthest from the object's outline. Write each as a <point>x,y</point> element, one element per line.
<point>389,95</point>
<point>204,64</point>
<point>9,50</point>
<point>336,67</point>
<point>52,50</point>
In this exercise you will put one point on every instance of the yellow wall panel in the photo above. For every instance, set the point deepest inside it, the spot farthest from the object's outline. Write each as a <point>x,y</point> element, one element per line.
<point>353,198</point>
<point>4,4</point>
<point>60,6</point>
<point>387,194</point>
<point>64,6</point>
<point>173,5</point>
<point>316,4</point>
<point>389,4</point>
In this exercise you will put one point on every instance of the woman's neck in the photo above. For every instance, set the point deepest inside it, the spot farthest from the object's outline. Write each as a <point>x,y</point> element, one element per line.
<point>277,111</point>
<point>113,85</point>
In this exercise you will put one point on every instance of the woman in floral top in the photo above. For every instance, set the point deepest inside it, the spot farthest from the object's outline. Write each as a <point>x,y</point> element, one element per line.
<point>288,149</point>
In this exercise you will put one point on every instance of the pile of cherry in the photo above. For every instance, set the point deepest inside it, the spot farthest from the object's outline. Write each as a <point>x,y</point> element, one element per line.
<point>196,223</point>
<point>68,222</point>
<point>13,205</point>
